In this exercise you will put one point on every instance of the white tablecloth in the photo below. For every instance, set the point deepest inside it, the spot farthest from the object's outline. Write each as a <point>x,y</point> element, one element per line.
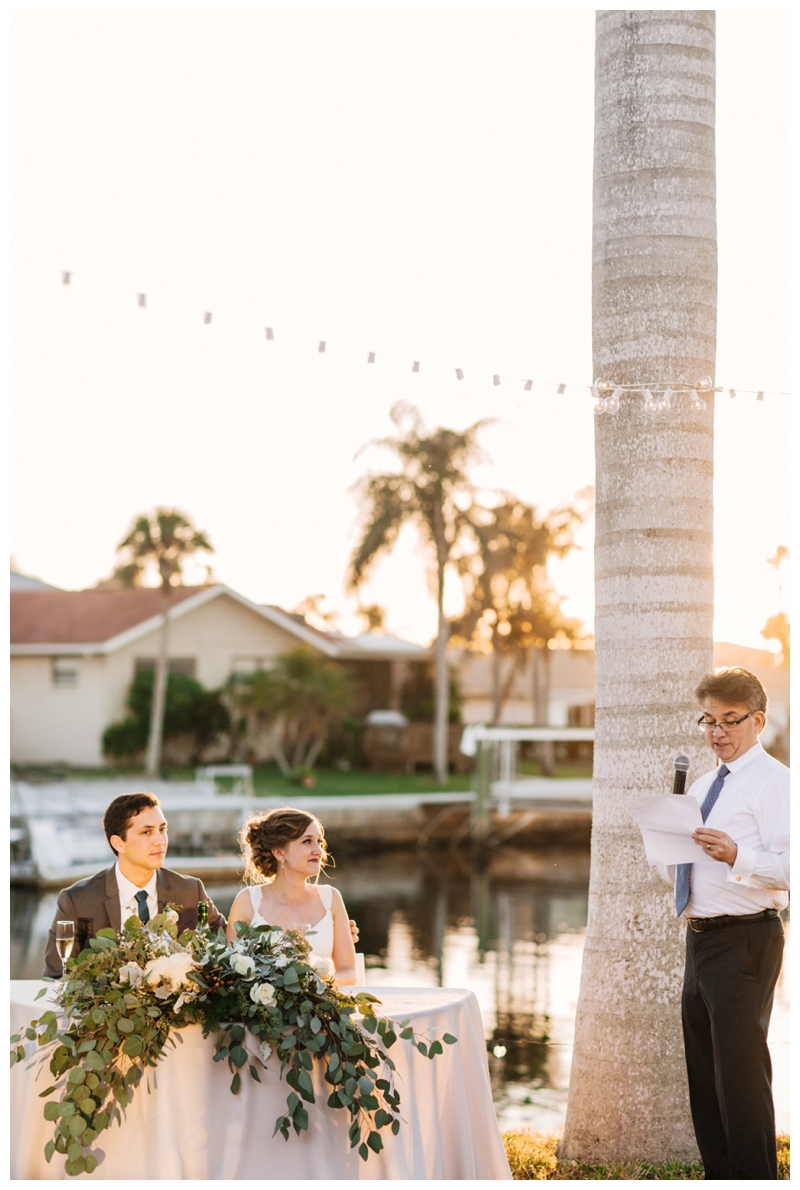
<point>192,1127</point>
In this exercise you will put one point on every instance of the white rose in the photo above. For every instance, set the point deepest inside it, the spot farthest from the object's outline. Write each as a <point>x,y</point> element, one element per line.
<point>131,973</point>
<point>322,966</point>
<point>263,993</point>
<point>172,916</point>
<point>243,965</point>
<point>172,969</point>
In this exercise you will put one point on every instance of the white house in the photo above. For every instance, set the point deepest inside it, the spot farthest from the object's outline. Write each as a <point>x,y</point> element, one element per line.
<point>74,655</point>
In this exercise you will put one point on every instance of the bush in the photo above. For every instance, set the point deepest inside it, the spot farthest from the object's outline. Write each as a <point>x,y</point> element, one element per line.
<point>190,711</point>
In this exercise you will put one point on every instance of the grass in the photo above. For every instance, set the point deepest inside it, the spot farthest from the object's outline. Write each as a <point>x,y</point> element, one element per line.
<point>269,782</point>
<point>533,1157</point>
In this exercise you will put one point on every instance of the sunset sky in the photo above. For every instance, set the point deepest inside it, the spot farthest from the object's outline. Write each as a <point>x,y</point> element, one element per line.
<point>417,184</point>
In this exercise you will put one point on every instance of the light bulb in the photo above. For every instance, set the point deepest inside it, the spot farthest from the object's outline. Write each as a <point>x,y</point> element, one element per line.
<point>651,403</point>
<point>666,399</point>
<point>600,405</point>
<point>698,403</point>
<point>704,384</point>
<point>612,402</point>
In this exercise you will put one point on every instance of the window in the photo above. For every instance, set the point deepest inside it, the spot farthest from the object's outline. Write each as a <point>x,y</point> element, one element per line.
<point>250,665</point>
<point>175,665</point>
<point>65,671</point>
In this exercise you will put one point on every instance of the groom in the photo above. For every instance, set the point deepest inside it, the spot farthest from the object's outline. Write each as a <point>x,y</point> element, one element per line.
<point>136,885</point>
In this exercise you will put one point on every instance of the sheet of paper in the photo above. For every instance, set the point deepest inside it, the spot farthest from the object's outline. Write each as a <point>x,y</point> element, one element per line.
<point>667,823</point>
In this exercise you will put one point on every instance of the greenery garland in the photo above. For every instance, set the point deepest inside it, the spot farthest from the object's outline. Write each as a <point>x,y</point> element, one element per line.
<point>125,993</point>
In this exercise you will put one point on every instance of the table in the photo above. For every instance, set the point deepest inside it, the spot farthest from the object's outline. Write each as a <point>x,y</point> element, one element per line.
<point>192,1128</point>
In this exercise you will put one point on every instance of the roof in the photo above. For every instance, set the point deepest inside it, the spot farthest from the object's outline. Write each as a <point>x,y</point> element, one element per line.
<point>101,620</point>
<point>26,582</point>
<point>84,617</point>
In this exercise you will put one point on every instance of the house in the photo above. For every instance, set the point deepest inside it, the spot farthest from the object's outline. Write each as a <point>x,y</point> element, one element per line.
<point>74,655</point>
<point>572,681</point>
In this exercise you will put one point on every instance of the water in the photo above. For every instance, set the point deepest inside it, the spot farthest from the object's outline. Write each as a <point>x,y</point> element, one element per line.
<point>514,935</point>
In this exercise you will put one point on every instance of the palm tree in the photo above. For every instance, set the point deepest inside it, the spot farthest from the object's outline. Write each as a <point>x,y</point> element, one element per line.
<point>654,319</point>
<point>432,490</point>
<point>306,695</point>
<point>510,604</point>
<point>164,541</point>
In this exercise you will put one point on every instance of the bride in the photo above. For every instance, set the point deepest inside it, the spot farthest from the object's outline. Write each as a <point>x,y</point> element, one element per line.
<point>283,850</point>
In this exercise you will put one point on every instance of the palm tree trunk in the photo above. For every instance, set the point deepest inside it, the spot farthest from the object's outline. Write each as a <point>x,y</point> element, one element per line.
<point>654,318</point>
<point>441,698</point>
<point>158,706</point>
<point>496,698</point>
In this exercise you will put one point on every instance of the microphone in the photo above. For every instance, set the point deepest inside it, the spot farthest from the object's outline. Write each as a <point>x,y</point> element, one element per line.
<point>681,769</point>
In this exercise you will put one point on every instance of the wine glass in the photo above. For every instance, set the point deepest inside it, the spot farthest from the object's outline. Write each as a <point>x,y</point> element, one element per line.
<point>65,936</point>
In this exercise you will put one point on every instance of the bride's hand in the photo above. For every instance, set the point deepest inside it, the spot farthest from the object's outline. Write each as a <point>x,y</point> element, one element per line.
<point>354,931</point>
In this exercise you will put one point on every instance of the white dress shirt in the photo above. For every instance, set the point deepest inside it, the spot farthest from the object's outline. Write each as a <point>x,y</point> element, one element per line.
<point>753,808</point>
<point>128,905</point>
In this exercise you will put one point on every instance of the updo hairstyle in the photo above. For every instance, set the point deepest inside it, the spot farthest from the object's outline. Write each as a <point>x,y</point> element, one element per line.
<point>273,828</point>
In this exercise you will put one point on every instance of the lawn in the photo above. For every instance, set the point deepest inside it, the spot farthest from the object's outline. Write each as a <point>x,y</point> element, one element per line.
<point>269,782</point>
<point>532,1157</point>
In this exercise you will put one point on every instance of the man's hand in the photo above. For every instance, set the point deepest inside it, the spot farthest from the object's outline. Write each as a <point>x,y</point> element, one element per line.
<point>716,844</point>
<point>354,934</point>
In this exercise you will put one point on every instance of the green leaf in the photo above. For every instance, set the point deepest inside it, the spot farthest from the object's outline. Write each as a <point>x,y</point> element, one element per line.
<point>254,1073</point>
<point>124,1025</point>
<point>449,1039</point>
<point>85,1046</point>
<point>49,1149</point>
<point>92,1081</point>
<point>44,1094</point>
<point>73,1168</point>
<point>107,933</point>
<point>395,1127</point>
<point>236,1082</point>
<point>366,1085</point>
<point>66,1109</point>
<point>76,1125</point>
<point>90,1163</point>
<point>237,1033</point>
<point>95,1062</point>
<point>52,1111</point>
<point>76,1075</point>
<point>363,1152</point>
<point>40,993</point>
<point>406,1034</point>
<point>423,1049</point>
<point>74,1151</point>
<point>389,1038</point>
<point>101,1121</point>
<point>133,1046</point>
<point>30,1033</point>
<point>382,1118</point>
<point>305,1086</point>
<point>238,1055</point>
<point>300,1120</point>
<point>436,1048</point>
<point>316,1024</point>
<point>374,1141</point>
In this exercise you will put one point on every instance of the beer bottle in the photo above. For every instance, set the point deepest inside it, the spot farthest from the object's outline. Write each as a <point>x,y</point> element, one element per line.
<point>202,913</point>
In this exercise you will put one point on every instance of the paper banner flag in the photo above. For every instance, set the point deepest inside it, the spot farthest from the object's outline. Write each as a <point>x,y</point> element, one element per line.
<point>415,366</point>
<point>528,385</point>
<point>371,357</point>
<point>495,379</point>
<point>268,332</point>
<point>141,298</point>
<point>65,278</point>
<point>206,318</point>
<point>321,347</point>
<point>459,374</point>
<point>561,389</point>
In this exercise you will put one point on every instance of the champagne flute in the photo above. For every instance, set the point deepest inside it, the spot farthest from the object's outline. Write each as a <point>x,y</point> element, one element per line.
<point>65,937</point>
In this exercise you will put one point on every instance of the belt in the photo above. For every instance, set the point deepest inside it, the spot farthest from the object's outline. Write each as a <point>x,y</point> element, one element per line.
<point>698,924</point>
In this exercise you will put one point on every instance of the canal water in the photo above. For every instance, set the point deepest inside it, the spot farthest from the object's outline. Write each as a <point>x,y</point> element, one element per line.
<point>513,934</point>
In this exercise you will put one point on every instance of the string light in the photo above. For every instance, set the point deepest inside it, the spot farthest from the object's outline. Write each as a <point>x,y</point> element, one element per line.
<point>607,393</point>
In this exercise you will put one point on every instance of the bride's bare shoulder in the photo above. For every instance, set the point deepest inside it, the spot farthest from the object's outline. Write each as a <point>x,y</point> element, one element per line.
<point>242,907</point>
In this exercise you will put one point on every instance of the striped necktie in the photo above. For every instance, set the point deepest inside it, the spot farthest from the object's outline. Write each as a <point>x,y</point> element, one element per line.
<point>683,874</point>
<point>141,901</point>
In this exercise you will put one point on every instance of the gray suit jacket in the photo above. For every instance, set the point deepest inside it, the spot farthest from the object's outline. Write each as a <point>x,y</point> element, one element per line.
<point>93,904</point>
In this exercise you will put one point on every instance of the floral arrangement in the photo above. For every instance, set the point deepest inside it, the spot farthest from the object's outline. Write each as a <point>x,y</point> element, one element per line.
<point>125,993</point>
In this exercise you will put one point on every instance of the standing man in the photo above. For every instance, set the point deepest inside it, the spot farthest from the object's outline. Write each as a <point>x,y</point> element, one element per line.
<point>136,885</point>
<point>734,940</point>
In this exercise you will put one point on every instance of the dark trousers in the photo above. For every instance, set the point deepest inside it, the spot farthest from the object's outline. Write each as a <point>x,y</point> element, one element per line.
<point>728,989</point>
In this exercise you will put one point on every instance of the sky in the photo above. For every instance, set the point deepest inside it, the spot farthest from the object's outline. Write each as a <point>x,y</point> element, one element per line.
<point>414,184</point>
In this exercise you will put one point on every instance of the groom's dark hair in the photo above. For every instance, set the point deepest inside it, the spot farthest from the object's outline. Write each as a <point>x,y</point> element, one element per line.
<point>121,812</point>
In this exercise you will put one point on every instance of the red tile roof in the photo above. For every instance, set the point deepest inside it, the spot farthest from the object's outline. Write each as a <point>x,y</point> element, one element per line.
<point>83,617</point>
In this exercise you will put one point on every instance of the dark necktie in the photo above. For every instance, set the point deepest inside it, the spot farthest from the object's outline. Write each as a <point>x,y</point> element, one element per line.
<point>141,901</point>
<point>683,874</point>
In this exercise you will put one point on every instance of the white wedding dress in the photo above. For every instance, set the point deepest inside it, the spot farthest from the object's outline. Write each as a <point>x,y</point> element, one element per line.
<point>320,935</point>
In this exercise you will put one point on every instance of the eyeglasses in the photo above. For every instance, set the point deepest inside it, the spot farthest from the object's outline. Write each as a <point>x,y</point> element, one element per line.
<point>726,724</point>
